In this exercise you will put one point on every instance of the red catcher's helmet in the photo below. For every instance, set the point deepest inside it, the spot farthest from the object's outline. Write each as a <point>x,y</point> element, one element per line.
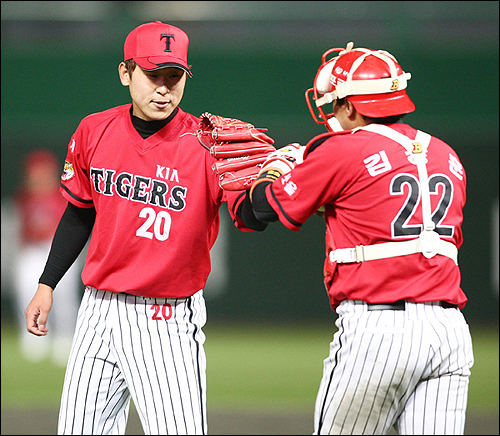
<point>372,80</point>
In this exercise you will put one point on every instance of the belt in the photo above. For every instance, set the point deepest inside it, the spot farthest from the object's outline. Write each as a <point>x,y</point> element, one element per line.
<point>400,305</point>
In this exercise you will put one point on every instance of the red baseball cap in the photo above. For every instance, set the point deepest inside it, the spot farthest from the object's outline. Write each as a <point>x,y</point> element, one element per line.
<point>158,45</point>
<point>40,157</point>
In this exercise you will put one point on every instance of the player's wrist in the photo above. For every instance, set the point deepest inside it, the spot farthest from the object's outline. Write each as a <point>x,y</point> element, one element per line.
<point>267,175</point>
<point>278,164</point>
<point>42,287</point>
<point>270,174</point>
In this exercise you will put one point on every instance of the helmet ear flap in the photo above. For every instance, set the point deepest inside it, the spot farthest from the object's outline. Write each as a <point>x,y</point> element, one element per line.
<point>322,80</point>
<point>323,76</point>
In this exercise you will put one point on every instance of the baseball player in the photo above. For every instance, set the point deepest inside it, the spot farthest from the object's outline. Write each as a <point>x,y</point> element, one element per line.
<point>392,198</point>
<point>136,177</point>
<point>38,207</point>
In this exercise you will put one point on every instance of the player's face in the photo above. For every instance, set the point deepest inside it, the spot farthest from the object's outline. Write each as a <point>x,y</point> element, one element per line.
<point>155,94</point>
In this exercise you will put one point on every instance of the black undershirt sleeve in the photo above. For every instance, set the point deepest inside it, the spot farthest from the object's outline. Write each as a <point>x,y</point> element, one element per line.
<point>70,238</point>
<point>261,207</point>
<point>246,214</point>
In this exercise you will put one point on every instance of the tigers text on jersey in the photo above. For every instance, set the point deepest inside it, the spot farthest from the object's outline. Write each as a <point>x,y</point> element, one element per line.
<point>157,202</point>
<point>371,194</point>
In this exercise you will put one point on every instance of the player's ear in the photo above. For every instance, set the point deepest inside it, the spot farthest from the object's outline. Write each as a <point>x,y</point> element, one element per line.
<point>351,111</point>
<point>124,74</point>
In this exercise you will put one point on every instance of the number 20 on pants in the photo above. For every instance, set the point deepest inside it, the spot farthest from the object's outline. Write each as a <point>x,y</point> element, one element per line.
<point>163,312</point>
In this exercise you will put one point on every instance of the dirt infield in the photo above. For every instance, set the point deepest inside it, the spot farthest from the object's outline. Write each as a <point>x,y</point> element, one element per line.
<point>44,422</point>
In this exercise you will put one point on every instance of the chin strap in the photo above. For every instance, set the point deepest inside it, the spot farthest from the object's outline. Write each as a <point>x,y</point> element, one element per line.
<point>428,243</point>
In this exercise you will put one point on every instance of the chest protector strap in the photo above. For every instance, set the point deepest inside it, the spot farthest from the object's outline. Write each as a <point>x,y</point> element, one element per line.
<point>428,243</point>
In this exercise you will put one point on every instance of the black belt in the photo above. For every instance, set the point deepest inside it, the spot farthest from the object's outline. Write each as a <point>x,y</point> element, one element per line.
<point>400,305</point>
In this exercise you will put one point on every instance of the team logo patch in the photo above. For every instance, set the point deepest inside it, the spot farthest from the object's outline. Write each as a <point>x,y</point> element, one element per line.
<point>289,186</point>
<point>417,147</point>
<point>68,171</point>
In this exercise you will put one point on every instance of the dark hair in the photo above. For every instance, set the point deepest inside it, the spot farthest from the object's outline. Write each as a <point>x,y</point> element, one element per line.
<point>386,120</point>
<point>130,65</point>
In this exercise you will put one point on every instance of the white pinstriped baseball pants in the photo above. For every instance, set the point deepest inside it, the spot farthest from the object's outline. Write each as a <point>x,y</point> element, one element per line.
<point>409,369</point>
<point>147,349</point>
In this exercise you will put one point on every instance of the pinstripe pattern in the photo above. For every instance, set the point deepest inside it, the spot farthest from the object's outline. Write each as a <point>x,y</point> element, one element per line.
<point>121,353</point>
<point>408,369</point>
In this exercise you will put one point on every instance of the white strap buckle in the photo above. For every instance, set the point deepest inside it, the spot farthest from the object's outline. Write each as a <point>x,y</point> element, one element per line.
<point>348,255</point>
<point>429,241</point>
<point>343,255</point>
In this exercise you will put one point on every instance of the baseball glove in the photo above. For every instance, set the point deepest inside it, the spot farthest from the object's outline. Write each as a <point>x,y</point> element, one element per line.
<point>239,147</point>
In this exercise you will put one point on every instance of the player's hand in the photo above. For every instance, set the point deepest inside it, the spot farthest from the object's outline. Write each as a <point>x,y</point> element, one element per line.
<point>284,159</point>
<point>38,310</point>
<point>280,162</point>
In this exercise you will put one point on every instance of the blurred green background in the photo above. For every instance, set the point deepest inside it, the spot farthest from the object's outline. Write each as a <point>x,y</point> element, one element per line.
<point>254,61</point>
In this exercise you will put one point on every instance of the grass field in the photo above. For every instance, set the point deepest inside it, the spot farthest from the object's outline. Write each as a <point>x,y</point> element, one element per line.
<point>250,367</point>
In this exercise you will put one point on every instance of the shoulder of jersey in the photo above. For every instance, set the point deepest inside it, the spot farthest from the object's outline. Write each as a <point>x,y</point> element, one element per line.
<point>190,121</point>
<point>320,139</point>
<point>99,117</point>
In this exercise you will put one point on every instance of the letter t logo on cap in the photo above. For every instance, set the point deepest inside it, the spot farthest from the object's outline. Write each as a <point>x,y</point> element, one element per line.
<point>168,38</point>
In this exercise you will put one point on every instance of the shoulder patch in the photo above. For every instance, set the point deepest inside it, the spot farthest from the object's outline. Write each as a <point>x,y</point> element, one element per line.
<point>68,171</point>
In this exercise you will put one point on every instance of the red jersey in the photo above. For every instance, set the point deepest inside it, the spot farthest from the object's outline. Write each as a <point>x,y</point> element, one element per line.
<point>157,202</point>
<point>371,195</point>
<point>39,215</point>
